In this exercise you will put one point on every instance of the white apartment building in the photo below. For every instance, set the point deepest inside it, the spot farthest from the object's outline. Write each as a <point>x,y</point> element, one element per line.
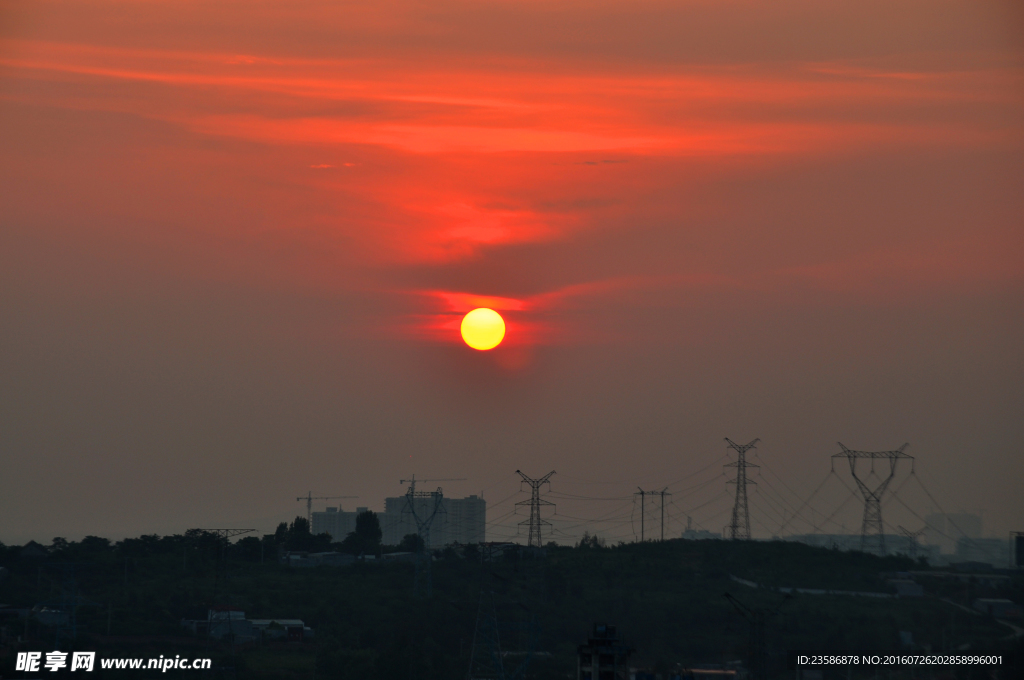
<point>458,520</point>
<point>335,522</point>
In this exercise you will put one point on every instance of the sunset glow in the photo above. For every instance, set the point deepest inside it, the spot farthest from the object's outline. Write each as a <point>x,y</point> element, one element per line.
<point>233,230</point>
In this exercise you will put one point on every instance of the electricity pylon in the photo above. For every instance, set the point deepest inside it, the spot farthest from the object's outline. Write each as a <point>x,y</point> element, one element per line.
<point>423,578</point>
<point>65,624</point>
<point>535,522</point>
<point>502,648</point>
<point>912,536</point>
<point>757,617</point>
<point>872,531</point>
<point>224,536</point>
<point>424,523</point>
<point>739,526</point>
<point>309,498</point>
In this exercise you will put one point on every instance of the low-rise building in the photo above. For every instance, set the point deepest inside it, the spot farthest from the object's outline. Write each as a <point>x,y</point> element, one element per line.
<point>998,607</point>
<point>320,559</point>
<point>229,623</point>
<point>906,587</point>
<point>222,623</point>
<point>993,551</point>
<point>604,657</point>
<point>291,630</point>
<point>987,579</point>
<point>700,535</point>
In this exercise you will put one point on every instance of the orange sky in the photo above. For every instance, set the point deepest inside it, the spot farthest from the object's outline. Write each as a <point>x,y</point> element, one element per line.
<point>627,182</point>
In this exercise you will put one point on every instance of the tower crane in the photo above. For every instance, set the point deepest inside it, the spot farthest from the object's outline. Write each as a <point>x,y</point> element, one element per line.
<point>412,482</point>
<point>309,498</point>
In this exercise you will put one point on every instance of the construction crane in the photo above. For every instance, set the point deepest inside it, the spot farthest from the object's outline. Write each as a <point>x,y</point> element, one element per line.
<point>412,482</point>
<point>309,498</point>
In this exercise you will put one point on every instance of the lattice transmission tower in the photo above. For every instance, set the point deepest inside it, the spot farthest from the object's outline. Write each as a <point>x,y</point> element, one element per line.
<point>872,531</point>
<point>536,521</point>
<point>911,538</point>
<point>739,526</point>
<point>503,645</point>
<point>431,505</point>
<point>224,537</point>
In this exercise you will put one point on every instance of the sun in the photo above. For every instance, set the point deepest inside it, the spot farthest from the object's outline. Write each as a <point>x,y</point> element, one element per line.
<point>483,328</point>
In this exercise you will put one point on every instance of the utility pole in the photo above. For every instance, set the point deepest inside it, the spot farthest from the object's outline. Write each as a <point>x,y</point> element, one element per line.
<point>535,522</point>
<point>662,493</point>
<point>640,492</point>
<point>739,527</point>
<point>872,531</point>
<point>643,507</point>
<point>309,498</point>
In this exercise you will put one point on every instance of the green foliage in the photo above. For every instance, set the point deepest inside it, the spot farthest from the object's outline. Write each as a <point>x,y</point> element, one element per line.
<point>411,543</point>
<point>365,540</point>
<point>298,538</point>
<point>368,527</point>
<point>281,534</point>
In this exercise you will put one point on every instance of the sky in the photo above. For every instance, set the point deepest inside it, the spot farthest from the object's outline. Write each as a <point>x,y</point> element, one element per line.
<point>237,240</point>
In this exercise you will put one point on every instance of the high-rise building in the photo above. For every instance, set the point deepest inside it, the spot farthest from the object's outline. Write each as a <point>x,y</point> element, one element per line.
<point>335,522</point>
<point>944,530</point>
<point>458,520</point>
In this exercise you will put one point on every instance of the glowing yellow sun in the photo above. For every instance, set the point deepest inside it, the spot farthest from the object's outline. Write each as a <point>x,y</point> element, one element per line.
<point>483,328</point>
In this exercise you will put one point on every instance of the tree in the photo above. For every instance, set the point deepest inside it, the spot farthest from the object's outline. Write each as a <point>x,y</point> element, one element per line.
<point>366,538</point>
<point>95,544</point>
<point>249,548</point>
<point>281,533</point>
<point>299,536</point>
<point>301,539</point>
<point>411,543</point>
<point>368,527</point>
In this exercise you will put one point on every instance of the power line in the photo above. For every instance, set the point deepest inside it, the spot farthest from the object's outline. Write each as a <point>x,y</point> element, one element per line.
<point>710,465</point>
<point>932,499</point>
<point>572,497</point>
